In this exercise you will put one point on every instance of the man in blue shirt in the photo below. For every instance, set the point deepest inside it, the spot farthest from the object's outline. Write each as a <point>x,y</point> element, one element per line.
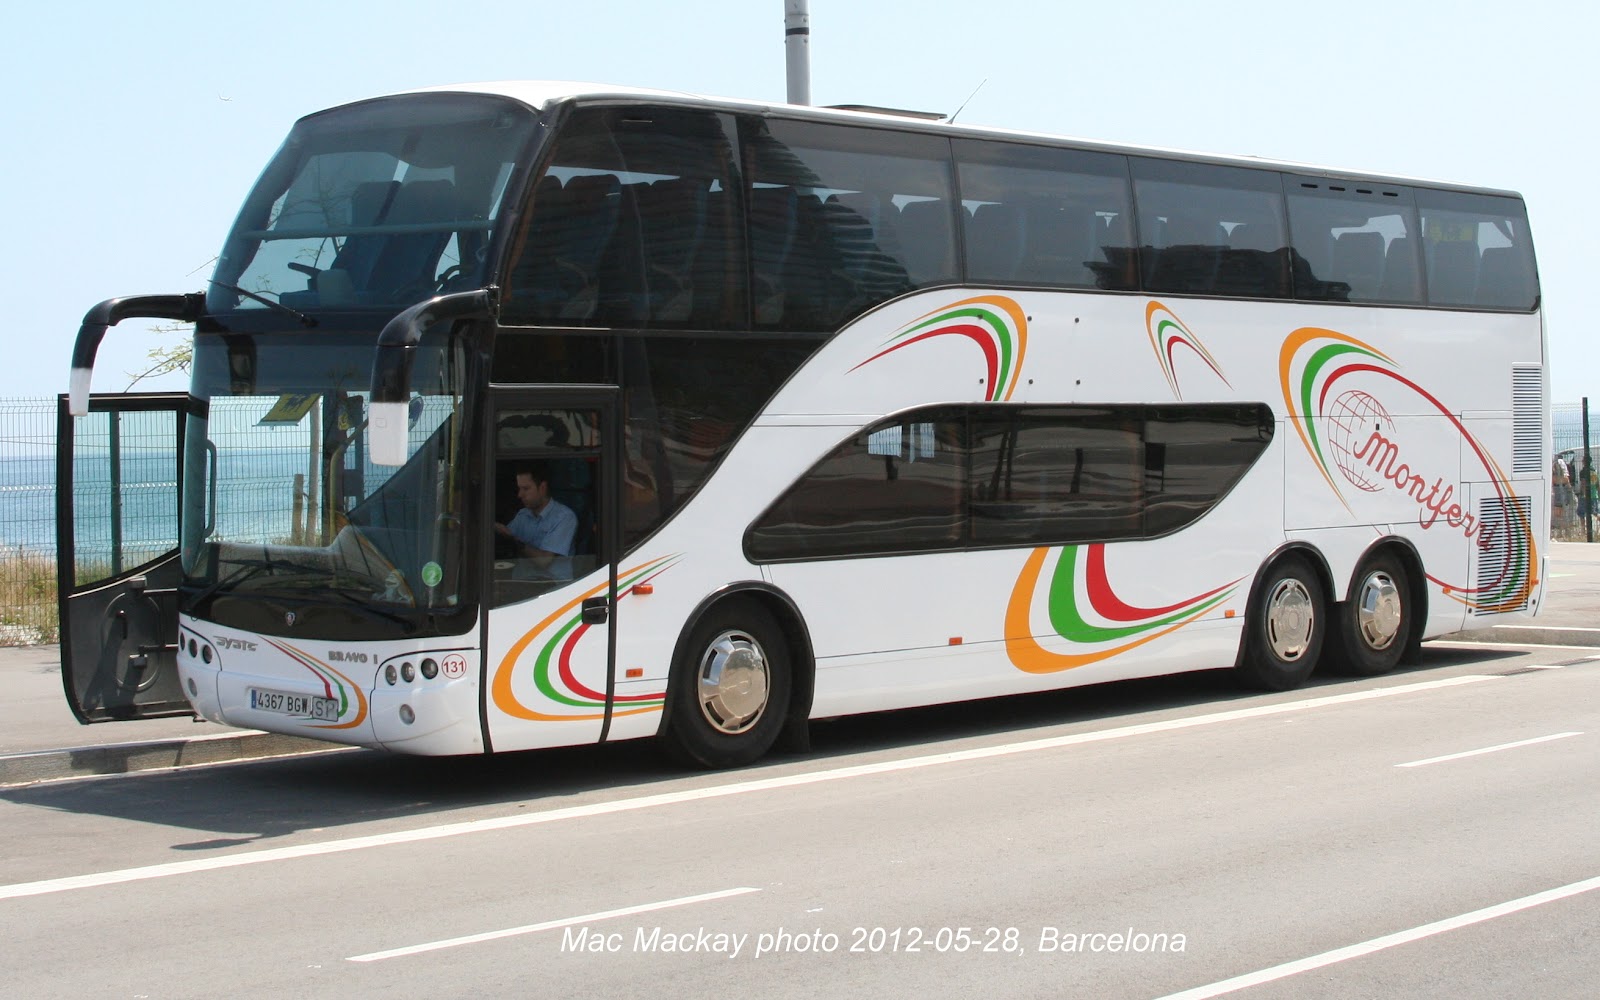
<point>544,528</point>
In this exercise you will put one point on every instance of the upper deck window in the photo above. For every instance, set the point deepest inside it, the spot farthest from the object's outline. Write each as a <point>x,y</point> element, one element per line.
<point>1034,215</point>
<point>1211,230</point>
<point>379,204</point>
<point>1477,250</point>
<point>841,219</point>
<point>1354,241</point>
<point>634,221</point>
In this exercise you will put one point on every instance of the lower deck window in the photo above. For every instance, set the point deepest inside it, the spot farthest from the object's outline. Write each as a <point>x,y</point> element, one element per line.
<point>997,476</point>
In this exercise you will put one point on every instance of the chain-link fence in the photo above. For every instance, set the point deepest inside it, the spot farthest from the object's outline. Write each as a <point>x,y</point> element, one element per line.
<point>27,521</point>
<point>1575,490</point>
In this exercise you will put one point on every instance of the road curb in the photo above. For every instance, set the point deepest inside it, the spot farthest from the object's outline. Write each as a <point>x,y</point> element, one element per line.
<point>126,758</point>
<point>1535,634</point>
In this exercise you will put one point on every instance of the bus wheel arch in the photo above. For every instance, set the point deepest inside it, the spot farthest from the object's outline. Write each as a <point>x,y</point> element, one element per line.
<point>1379,624</point>
<point>741,681</point>
<point>1286,620</point>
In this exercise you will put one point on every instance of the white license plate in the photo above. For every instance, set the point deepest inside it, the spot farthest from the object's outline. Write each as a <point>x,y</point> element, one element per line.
<point>304,705</point>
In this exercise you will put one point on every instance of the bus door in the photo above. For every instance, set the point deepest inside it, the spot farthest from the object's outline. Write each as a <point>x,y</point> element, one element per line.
<point>118,475</point>
<point>551,623</point>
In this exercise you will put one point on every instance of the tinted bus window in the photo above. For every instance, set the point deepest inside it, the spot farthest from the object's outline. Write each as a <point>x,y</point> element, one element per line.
<point>1354,241</point>
<point>1477,251</point>
<point>895,487</point>
<point>633,222</point>
<point>1056,474</point>
<point>998,476</point>
<point>1040,216</point>
<point>1210,230</point>
<point>1195,455</point>
<point>842,219</point>
<point>681,417</point>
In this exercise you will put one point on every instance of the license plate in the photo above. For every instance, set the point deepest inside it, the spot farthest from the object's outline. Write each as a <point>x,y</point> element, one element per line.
<point>304,705</point>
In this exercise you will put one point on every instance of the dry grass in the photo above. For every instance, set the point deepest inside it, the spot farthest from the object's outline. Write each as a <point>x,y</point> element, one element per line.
<point>28,599</point>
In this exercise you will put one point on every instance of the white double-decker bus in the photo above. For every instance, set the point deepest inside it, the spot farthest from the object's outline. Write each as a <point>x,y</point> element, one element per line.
<point>852,412</point>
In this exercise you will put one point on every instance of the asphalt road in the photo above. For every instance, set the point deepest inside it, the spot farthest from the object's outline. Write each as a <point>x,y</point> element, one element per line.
<point>1435,832</point>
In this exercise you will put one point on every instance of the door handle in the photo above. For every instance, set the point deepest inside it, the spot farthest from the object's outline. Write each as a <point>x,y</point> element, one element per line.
<point>596,610</point>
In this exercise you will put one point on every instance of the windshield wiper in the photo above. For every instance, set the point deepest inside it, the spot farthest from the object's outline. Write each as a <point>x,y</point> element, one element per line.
<point>358,604</point>
<point>248,570</point>
<point>304,320</point>
<point>239,575</point>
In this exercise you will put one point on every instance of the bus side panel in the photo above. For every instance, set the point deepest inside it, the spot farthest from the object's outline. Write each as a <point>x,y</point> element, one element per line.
<point>916,630</point>
<point>546,671</point>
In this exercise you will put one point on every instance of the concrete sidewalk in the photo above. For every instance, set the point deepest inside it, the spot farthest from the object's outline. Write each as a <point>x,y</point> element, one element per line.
<point>40,740</point>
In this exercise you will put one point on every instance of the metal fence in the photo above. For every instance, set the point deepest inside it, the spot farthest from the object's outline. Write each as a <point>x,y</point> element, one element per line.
<point>1575,487</point>
<point>28,554</point>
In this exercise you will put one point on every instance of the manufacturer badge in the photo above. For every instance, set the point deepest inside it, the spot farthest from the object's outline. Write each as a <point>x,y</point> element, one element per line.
<point>288,618</point>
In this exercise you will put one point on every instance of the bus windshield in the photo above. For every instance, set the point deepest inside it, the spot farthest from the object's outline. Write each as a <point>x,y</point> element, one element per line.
<point>377,205</point>
<point>281,505</point>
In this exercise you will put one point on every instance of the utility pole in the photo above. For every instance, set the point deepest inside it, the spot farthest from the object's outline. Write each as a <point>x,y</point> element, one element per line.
<point>797,45</point>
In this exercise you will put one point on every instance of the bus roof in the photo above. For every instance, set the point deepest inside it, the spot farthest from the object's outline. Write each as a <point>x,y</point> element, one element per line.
<point>543,94</point>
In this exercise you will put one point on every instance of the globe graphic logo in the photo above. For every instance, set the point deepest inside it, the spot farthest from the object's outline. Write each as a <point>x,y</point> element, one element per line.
<point>1349,422</point>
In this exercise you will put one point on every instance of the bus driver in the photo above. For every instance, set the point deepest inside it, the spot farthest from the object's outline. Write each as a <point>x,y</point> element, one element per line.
<point>544,528</point>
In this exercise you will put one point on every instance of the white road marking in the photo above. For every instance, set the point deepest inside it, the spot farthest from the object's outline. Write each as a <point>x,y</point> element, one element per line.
<point>587,918</point>
<point>1381,943</point>
<point>98,879</point>
<point>1507,645</point>
<point>1493,749</point>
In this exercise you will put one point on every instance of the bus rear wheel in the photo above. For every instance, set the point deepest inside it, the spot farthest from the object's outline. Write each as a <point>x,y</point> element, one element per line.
<point>1285,627</point>
<point>1373,626</point>
<point>731,689</point>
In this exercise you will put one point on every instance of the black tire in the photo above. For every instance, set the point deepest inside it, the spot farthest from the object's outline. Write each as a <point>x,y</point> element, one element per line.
<point>718,721</point>
<point>1286,624</point>
<point>1373,626</point>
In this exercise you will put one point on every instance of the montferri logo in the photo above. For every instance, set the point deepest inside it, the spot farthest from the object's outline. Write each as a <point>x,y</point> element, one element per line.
<point>1351,418</point>
<point>1339,394</point>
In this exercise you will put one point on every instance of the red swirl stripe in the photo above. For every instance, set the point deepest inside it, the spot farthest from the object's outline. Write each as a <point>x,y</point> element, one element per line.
<point>979,335</point>
<point>1109,606</point>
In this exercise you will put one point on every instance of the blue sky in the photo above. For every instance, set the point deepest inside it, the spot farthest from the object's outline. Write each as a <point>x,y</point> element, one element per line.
<point>135,129</point>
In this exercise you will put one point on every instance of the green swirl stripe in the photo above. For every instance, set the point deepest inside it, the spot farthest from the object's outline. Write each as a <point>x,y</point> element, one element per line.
<point>1070,624</point>
<point>1318,361</point>
<point>541,666</point>
<point>990,318</point>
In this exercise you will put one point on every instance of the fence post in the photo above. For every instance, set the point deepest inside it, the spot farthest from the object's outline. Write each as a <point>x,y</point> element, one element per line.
<point>1587,480</point>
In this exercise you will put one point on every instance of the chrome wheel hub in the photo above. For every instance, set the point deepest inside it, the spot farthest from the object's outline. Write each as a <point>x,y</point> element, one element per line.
<point>1291,620</point>
<point>1378,610</point>
<point>733,682</point>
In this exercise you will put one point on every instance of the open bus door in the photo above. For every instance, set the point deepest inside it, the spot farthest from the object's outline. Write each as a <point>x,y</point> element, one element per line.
<point>118,475</point>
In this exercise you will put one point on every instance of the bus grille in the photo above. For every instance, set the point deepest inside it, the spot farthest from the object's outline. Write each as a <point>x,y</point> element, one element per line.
<point>1505,565</point>
<point>1527,430</point>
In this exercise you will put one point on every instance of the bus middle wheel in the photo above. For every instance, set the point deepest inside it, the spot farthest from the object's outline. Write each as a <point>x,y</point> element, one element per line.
<point>732,687</point>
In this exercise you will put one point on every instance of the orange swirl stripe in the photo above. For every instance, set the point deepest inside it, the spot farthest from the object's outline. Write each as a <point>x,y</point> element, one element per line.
<point>1026,653</point>
<point>506,699</point>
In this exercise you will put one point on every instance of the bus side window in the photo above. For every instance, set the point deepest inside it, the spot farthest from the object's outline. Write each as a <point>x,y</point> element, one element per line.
<point>1042,216</point>
<point>1353,240</point>
<point>1187,213</point>
<point>995,243</point>
<point>631,226</point>
<point>842,253</point>
<point>927,240</point>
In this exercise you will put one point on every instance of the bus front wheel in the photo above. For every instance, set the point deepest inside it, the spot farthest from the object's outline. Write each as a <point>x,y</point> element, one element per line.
<point>732,688</point>
<point>1373,626</point>
<point>1286,625</point>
